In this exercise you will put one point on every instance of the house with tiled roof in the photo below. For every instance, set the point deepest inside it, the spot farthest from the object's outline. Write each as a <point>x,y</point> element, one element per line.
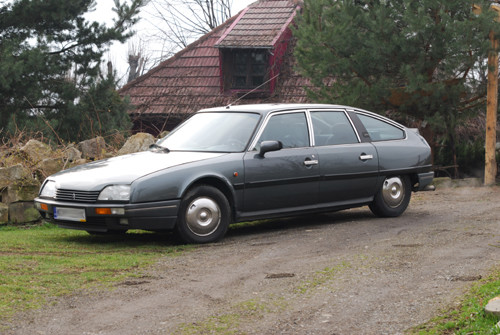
<point>248,59</point>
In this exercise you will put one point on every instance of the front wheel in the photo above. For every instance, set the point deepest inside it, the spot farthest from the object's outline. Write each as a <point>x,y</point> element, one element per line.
<point>393,197</point>
<point>204,215</point>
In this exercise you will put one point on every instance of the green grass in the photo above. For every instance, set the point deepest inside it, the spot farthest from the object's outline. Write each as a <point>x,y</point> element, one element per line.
<point>469,317</point>
<point>43,261</point>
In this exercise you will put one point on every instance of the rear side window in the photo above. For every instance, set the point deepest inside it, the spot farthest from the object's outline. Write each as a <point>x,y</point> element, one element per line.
<point>380,130</point>
<point>331,128</point>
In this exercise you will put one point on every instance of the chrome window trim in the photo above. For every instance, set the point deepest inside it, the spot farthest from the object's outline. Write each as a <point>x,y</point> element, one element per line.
<point>310,128</point>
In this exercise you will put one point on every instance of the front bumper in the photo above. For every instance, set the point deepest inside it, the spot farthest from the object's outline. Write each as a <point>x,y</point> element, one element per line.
<point>156,216</point>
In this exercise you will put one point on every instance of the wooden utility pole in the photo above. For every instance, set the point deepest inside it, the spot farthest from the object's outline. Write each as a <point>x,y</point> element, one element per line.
<point>490,167</point>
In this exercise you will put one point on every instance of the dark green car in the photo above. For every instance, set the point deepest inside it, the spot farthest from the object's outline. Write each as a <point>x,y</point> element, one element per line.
<point>238,163</point>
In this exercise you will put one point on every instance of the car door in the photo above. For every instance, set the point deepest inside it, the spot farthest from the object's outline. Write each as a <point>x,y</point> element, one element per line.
<point>286,179</point>
<point>348,167</point>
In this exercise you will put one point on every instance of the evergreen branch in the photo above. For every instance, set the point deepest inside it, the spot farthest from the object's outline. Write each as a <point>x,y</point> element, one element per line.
<point>476,98</point>
<point>65,49</point>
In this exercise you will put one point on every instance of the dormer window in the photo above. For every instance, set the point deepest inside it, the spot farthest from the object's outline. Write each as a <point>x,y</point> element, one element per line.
<point>249,69</point>
<point>245,69</point>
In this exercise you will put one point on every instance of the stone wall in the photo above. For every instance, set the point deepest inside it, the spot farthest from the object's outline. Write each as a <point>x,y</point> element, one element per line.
<point>24,168</point>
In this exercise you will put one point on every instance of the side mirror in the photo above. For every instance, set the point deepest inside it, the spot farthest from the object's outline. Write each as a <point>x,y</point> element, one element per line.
<point>267,146</point>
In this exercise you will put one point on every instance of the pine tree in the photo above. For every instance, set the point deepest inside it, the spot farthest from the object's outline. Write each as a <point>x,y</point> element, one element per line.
<point>50,57</point>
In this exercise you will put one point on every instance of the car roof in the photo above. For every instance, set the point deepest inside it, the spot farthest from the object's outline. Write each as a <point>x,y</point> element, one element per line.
<point>274,107</point>
<point>265,109</point>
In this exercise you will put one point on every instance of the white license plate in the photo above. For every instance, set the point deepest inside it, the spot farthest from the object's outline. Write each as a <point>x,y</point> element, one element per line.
<point>69,214</point>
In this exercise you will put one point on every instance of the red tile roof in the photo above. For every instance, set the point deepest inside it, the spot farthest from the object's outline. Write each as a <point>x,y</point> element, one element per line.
<point>259,25</point>
<point>190,80</point>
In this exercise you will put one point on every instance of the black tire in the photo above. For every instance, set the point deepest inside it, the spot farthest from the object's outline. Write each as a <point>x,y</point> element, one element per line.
<point>204,215</point>
<point>393,197</point>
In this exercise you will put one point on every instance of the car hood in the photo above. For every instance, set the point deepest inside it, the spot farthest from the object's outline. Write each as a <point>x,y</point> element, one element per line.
<point>123,169</point>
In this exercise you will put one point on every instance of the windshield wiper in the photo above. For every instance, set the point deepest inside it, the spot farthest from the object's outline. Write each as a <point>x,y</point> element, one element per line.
<point>156,146</point>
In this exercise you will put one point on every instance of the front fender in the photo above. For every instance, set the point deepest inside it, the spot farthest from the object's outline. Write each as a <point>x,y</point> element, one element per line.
<point>173,182</point>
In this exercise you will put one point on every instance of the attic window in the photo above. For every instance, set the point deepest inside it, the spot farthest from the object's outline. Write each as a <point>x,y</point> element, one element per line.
<point>249,68</point>
<point>245,69</point>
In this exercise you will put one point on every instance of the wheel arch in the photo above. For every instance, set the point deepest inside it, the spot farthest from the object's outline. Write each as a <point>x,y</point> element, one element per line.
<point>220,183</point>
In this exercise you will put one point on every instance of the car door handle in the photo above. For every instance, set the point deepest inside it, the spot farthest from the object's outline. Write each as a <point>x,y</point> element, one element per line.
<point>365,157</point>
<point>310,162</point>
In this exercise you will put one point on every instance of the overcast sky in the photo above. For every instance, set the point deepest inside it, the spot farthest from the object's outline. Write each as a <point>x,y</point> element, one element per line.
<point>118,54</point>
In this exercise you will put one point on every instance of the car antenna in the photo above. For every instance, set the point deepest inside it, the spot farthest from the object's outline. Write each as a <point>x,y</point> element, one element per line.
<point>251,91</point>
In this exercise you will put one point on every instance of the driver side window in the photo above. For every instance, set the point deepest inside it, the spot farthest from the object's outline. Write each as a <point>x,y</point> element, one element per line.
<point>290,129</point>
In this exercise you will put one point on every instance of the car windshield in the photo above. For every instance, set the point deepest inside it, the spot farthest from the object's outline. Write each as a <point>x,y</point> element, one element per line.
<point>219,132</point>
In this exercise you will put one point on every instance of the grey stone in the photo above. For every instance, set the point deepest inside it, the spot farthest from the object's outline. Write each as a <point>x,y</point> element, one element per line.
<point>10,174</point>
<point>50,166</point>
<point>72,154</point>
<point>23,212</point>
<point>493,306</point>
<point>93,148</point>
<point>11,157</point>
<point>4,213</point>
<point>20,191</point>
<point>36,151</point>
<point>136,143</point>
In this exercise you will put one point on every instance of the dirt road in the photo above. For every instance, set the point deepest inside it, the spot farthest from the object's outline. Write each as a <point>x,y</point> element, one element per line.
<point>339,273</point>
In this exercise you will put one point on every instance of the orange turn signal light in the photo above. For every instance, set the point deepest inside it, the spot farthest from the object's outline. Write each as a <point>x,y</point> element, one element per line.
<point>103,211</point>
<point>44,207</point>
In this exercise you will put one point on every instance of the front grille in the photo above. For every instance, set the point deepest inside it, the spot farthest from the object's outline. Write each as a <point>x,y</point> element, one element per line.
<point>77,196</point>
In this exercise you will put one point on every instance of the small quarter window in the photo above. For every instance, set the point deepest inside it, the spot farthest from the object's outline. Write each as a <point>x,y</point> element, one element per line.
<point>380,130</point>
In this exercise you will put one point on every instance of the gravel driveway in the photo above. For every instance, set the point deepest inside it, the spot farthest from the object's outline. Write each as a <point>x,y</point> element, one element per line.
<point>346,272</point>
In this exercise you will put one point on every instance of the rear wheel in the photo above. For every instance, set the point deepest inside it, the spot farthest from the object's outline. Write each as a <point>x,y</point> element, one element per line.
<point>204,215</point>
<point>393,197</point>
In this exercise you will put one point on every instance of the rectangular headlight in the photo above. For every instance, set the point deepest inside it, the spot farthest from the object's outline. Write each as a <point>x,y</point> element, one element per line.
<point>115,193</point>
<point>49,189</point>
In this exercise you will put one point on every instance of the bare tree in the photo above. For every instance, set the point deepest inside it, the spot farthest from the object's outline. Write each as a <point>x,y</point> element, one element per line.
<point>182,21</point>
<point>141,57</point>
<point>137,57</point>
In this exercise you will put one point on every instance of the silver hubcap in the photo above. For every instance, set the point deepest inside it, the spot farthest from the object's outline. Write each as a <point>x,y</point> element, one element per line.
<point>203,216</point>
<point>393,192</point>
